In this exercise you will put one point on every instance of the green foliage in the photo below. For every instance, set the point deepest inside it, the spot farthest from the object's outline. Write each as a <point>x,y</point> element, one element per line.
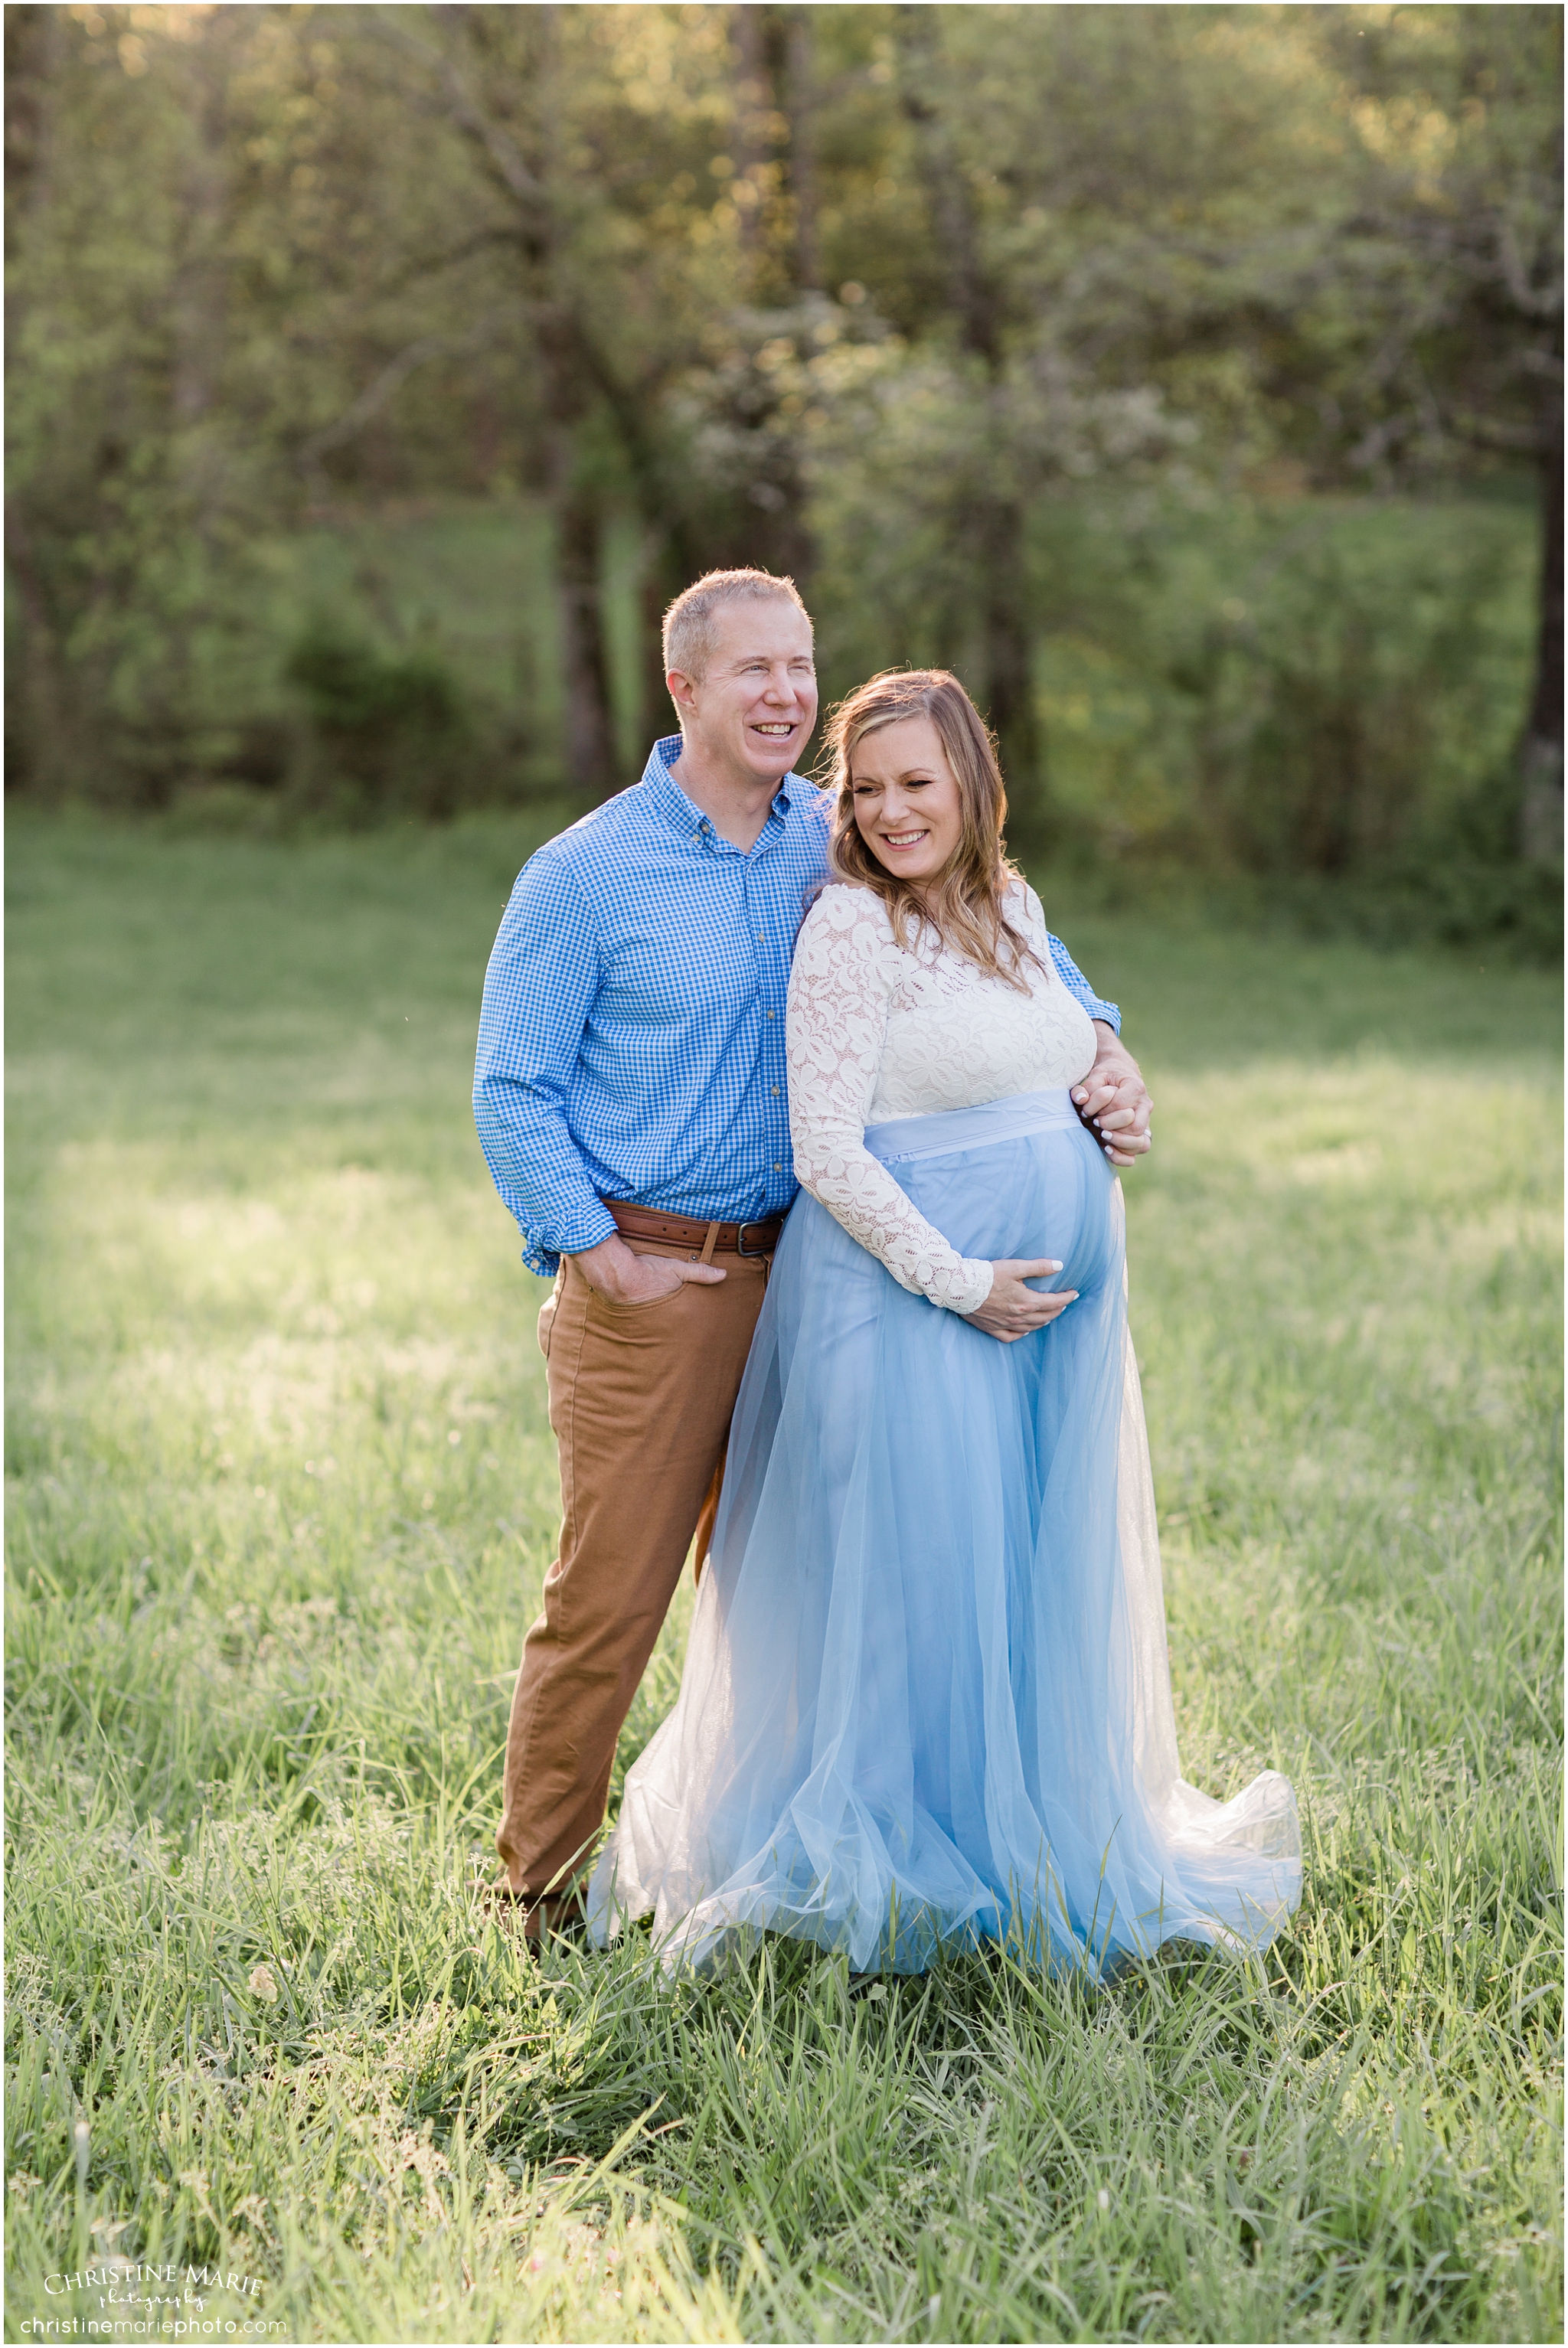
<point>391,732</point>
<point>898,299</point>
<point>1340,705</point>
<point>1321,693</point>
<point>281,1493</point>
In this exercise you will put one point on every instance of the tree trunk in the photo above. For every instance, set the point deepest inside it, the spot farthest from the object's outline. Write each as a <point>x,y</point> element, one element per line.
<point>766,524</point>
<point>1009,681</point>
<point>971,294</point>
<point>584,671</point>
<point>515,54</point>
<point>42,751</point>
<point>584,668</point>
<point>1003,690</point>
<point>800,107</point>
<point>662,580</point>
<point>40,731</point>
<point>774,97</point>
<point>754,109</point>
<point>198,303</point>
<point>1540,752</point>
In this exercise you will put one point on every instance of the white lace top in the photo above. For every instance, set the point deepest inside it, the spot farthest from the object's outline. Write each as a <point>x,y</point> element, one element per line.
<point>877,1030</point>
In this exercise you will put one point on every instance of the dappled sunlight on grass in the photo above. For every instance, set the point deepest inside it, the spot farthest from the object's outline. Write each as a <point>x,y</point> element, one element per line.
<point>281,1496</point>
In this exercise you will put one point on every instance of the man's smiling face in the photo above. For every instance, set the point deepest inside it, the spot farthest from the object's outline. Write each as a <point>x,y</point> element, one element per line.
<point>753,710</point>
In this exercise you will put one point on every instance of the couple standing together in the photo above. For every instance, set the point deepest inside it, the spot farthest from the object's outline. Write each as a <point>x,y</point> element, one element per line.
<point>927,1699</point>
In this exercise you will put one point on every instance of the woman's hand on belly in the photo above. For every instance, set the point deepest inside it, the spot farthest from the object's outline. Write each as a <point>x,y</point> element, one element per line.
<point>1012,1310</point>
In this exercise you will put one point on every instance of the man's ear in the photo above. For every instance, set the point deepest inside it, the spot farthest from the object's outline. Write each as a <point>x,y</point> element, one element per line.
<point>682,689</point>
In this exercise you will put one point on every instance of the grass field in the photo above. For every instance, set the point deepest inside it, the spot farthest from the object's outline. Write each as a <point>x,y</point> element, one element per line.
<point>281,1496</point>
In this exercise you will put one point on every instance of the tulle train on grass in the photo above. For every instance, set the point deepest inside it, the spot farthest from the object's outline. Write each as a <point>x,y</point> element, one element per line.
<point>927,1697</point>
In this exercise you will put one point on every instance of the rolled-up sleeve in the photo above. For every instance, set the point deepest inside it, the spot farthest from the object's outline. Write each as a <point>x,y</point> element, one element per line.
<point>543,975</point>
<point>1075,982</point>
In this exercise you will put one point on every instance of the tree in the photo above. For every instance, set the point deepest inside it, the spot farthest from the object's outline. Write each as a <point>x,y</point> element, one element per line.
<point>976,304</point>
<point>1456,247</point>
<point>880,295</point>
<point>129,487</point>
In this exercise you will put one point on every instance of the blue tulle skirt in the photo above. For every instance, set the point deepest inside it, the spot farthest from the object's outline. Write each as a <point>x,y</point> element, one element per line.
<point>926,1698</point>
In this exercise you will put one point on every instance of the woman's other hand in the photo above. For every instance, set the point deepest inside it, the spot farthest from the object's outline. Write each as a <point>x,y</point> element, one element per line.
<point>1013,1310</point>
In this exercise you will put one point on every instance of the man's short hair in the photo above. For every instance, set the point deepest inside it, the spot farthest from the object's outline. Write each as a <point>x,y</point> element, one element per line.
<point>689,622</point>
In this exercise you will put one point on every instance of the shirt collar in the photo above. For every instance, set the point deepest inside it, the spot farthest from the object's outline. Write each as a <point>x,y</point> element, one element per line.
<point>672,801</point>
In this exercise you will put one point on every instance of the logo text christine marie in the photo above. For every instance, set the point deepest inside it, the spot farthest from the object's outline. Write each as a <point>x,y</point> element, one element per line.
<point>120,2271</point>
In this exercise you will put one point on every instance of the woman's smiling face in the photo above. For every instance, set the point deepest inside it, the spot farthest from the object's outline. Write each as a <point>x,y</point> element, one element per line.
<point>908,807</point>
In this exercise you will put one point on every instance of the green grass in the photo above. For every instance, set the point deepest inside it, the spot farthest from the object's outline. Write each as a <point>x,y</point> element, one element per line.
<point>281,1498</point>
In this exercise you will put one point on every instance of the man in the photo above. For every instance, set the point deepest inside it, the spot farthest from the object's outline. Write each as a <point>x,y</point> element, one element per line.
<point>630,1096</point>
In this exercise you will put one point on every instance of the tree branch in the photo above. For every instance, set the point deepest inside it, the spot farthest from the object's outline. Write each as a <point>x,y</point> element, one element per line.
<point>429,264</point>
<point>375,394</point>
<point>505,158</point>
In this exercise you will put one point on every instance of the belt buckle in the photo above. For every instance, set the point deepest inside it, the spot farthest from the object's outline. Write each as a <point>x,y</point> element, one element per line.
<point>754,1224</point>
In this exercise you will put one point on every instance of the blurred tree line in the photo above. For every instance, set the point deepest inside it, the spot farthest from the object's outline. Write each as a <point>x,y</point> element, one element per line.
<point>1215,352</point>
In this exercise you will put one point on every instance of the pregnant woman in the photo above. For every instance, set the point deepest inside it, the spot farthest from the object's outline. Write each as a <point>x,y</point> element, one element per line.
<point>927,1699</point>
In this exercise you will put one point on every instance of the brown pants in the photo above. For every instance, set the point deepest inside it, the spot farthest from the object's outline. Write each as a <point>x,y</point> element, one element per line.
<point>640,1399</point>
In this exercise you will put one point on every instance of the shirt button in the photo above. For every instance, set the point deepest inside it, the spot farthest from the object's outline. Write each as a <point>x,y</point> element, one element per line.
<point>777,1168</point>
<point>775,1092</point>
<point>773,1014</point>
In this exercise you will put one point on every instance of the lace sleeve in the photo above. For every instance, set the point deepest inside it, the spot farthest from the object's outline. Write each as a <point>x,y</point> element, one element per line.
<point>837,1021</point>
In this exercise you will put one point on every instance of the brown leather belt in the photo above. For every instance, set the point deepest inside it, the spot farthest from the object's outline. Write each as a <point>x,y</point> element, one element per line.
<point>705,1240</point>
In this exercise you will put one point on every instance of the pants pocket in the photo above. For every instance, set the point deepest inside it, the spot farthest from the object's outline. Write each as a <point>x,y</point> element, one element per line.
<point>547,1313</point>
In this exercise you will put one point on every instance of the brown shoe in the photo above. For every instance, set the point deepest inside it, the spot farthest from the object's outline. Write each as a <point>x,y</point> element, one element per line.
<point>552,1915</point>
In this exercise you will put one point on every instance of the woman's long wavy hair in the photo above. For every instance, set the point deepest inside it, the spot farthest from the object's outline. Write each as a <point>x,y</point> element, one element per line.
<point>964,904</point>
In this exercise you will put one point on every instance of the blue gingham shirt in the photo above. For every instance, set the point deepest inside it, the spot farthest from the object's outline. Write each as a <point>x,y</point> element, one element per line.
<point>632,1039</point>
